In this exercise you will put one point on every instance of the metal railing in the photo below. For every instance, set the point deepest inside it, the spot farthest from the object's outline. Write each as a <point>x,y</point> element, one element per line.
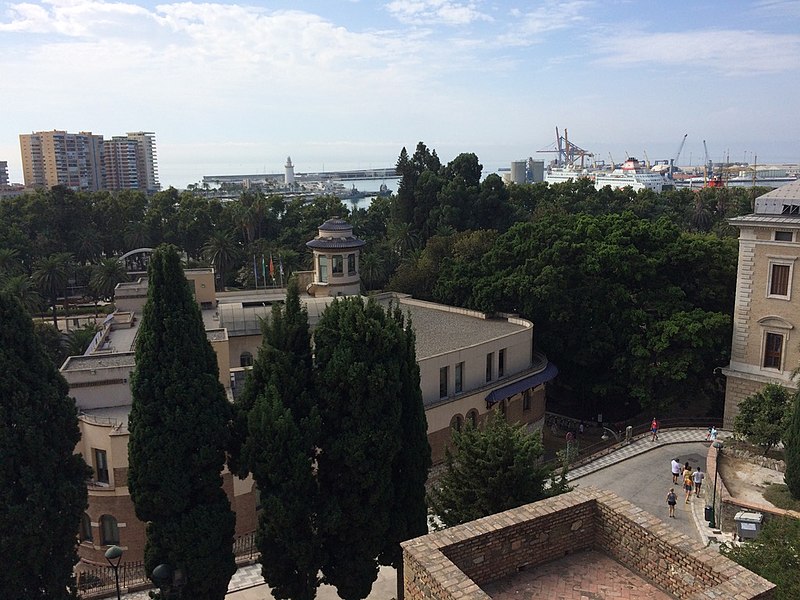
<point>97,581</point>
<point>584,453</point>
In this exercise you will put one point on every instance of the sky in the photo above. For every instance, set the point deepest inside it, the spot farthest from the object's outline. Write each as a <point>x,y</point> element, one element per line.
<point>236,87</point>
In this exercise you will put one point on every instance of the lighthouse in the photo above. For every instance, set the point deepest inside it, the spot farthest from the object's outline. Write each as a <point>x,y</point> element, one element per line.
<point>288,178</point>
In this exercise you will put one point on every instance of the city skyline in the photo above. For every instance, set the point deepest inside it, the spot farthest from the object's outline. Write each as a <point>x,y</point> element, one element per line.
<point>234,88</point>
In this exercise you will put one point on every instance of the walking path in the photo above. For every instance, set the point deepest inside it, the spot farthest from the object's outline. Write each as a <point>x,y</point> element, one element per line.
<point>249,576</point>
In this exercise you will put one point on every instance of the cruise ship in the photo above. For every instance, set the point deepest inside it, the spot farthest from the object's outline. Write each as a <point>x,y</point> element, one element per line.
<point>632,175</point>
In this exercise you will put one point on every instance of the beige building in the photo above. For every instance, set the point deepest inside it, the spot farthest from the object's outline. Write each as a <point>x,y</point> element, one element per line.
<point>470,363</point>
<point>765,347</point>
<point>74,160</point>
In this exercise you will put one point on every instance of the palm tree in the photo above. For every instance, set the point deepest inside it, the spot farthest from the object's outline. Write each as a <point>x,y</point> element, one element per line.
<point>88,247</point>
<point>77,341</point>
<point>221,251</point>
<point>22,287</point>
<point>105,276</point>
<point>50,276</point>
<point>371,270</point>
<point>9,261</point>
<point>136,235</point>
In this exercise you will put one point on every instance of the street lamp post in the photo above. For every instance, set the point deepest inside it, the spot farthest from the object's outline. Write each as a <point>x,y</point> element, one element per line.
<point>712,522</point>
<point>170,581</point>
<point>114,553</point>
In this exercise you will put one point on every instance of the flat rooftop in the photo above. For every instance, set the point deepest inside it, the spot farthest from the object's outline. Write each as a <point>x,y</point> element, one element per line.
<point>588,575</point>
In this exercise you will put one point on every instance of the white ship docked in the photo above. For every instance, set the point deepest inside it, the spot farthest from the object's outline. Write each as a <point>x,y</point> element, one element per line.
<point>632,175</point>
<point>562,175</point>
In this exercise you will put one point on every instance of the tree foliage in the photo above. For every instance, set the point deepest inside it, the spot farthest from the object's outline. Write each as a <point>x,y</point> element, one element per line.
<point>490,469</point>
<point>42,481</point>
<point>360,352</point>
<point>278,429</point>
<point>764,417</point>
<point>792,454</point>
<point>178,436</point>
<point>774,554</point>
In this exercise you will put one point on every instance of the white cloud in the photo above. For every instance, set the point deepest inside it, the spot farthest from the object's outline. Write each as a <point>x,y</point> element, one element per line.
<point>435,12</point>
<point>527,27</point>
<point>728,52</point>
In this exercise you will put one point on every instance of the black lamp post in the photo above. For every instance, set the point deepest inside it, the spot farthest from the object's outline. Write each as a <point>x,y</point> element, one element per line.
<point>170,581</point>
<point>114,553</point>
<point>712,522</point>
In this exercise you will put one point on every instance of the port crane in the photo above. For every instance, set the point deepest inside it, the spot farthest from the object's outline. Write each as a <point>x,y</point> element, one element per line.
<point>568,154</point>
<point>673,161</point>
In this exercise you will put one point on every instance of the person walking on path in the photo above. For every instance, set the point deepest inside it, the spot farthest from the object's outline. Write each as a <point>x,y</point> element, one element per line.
<point>688,486</point>
<point>698,477</point>
<point>672,499</point>
<point>654,429</point>
<point>676,470</point>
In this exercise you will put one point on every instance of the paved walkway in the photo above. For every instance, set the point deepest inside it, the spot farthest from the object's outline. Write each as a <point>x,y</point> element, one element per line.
<point>247,584</point>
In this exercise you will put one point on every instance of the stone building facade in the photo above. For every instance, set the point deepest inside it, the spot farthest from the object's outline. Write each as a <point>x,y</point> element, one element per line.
<point>765,346</point>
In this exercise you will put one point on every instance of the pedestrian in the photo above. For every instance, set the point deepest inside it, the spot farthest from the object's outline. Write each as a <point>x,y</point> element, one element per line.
<point>688,485</point>
<point>708,433</point>
<point>713,434</point>
<point>672,499</point>
<point>698,481</point>
<point>654,429</point>
<point>676,470</point>
<point>580,428</point>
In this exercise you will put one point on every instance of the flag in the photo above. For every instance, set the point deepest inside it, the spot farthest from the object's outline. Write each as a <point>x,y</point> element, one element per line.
<point>255,270</point>
<point>271,268</point>
<point>264,270</point>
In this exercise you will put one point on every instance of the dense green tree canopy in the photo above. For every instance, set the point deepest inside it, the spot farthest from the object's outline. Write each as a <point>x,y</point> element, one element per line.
<point>774,554</point>
<point>490,469</point>
<point>178,436</point>
<point>765,416</point>
<point>42,481</point>
<point>792,445</point>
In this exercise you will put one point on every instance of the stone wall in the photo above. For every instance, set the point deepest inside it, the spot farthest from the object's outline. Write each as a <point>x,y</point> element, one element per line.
<point>736,390</point>
<point>453,563</point>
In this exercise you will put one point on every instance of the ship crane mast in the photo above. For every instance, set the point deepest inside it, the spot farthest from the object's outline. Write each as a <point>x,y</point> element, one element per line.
<point>677,156</point>
<point>567,153</point>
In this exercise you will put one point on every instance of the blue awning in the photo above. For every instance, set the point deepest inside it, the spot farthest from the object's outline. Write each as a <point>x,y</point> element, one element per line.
<point>526,383</point>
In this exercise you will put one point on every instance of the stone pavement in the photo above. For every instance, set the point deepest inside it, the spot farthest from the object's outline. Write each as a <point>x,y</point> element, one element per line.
<point>247,584</point>
<point>638,446</point>
<point>580,576</point>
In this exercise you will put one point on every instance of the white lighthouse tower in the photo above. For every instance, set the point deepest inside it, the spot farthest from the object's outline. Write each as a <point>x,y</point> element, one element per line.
<point>288,178</point>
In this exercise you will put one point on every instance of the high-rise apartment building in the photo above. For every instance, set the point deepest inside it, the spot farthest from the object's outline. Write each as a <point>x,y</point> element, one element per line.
<point>74,160</point>
<point>3,172</point>
<point>146,160</point>
<point>83,161</point>
<point>121,164</point>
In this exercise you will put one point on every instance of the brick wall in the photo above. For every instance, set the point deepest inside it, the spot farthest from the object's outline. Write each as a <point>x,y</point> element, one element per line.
<point>453,563</point>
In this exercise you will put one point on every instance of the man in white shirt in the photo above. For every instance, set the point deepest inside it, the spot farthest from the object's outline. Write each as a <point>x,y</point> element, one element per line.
<point>698,477</point>
<point>676,470</point>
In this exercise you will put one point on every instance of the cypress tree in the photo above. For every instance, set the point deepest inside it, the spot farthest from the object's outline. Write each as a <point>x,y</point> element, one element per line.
<point>792,453</point>
<point>357,350</point>
<point>413,460</point>
<point>42,482</point>
<point>280,451</point>
<point>178,435</point>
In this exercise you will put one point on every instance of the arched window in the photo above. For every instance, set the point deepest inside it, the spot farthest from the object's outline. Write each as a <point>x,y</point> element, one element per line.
<point>109,532</point>
<point>245,359</point>
<point>472,417</point>
<point>457,422</point>
<point>86,528</point>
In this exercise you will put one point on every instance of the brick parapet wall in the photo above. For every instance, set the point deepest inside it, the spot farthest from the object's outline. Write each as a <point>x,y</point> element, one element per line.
<point>451,564</point>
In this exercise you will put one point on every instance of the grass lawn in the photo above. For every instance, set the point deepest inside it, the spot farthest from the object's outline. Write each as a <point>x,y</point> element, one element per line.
<point>779,495</point>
